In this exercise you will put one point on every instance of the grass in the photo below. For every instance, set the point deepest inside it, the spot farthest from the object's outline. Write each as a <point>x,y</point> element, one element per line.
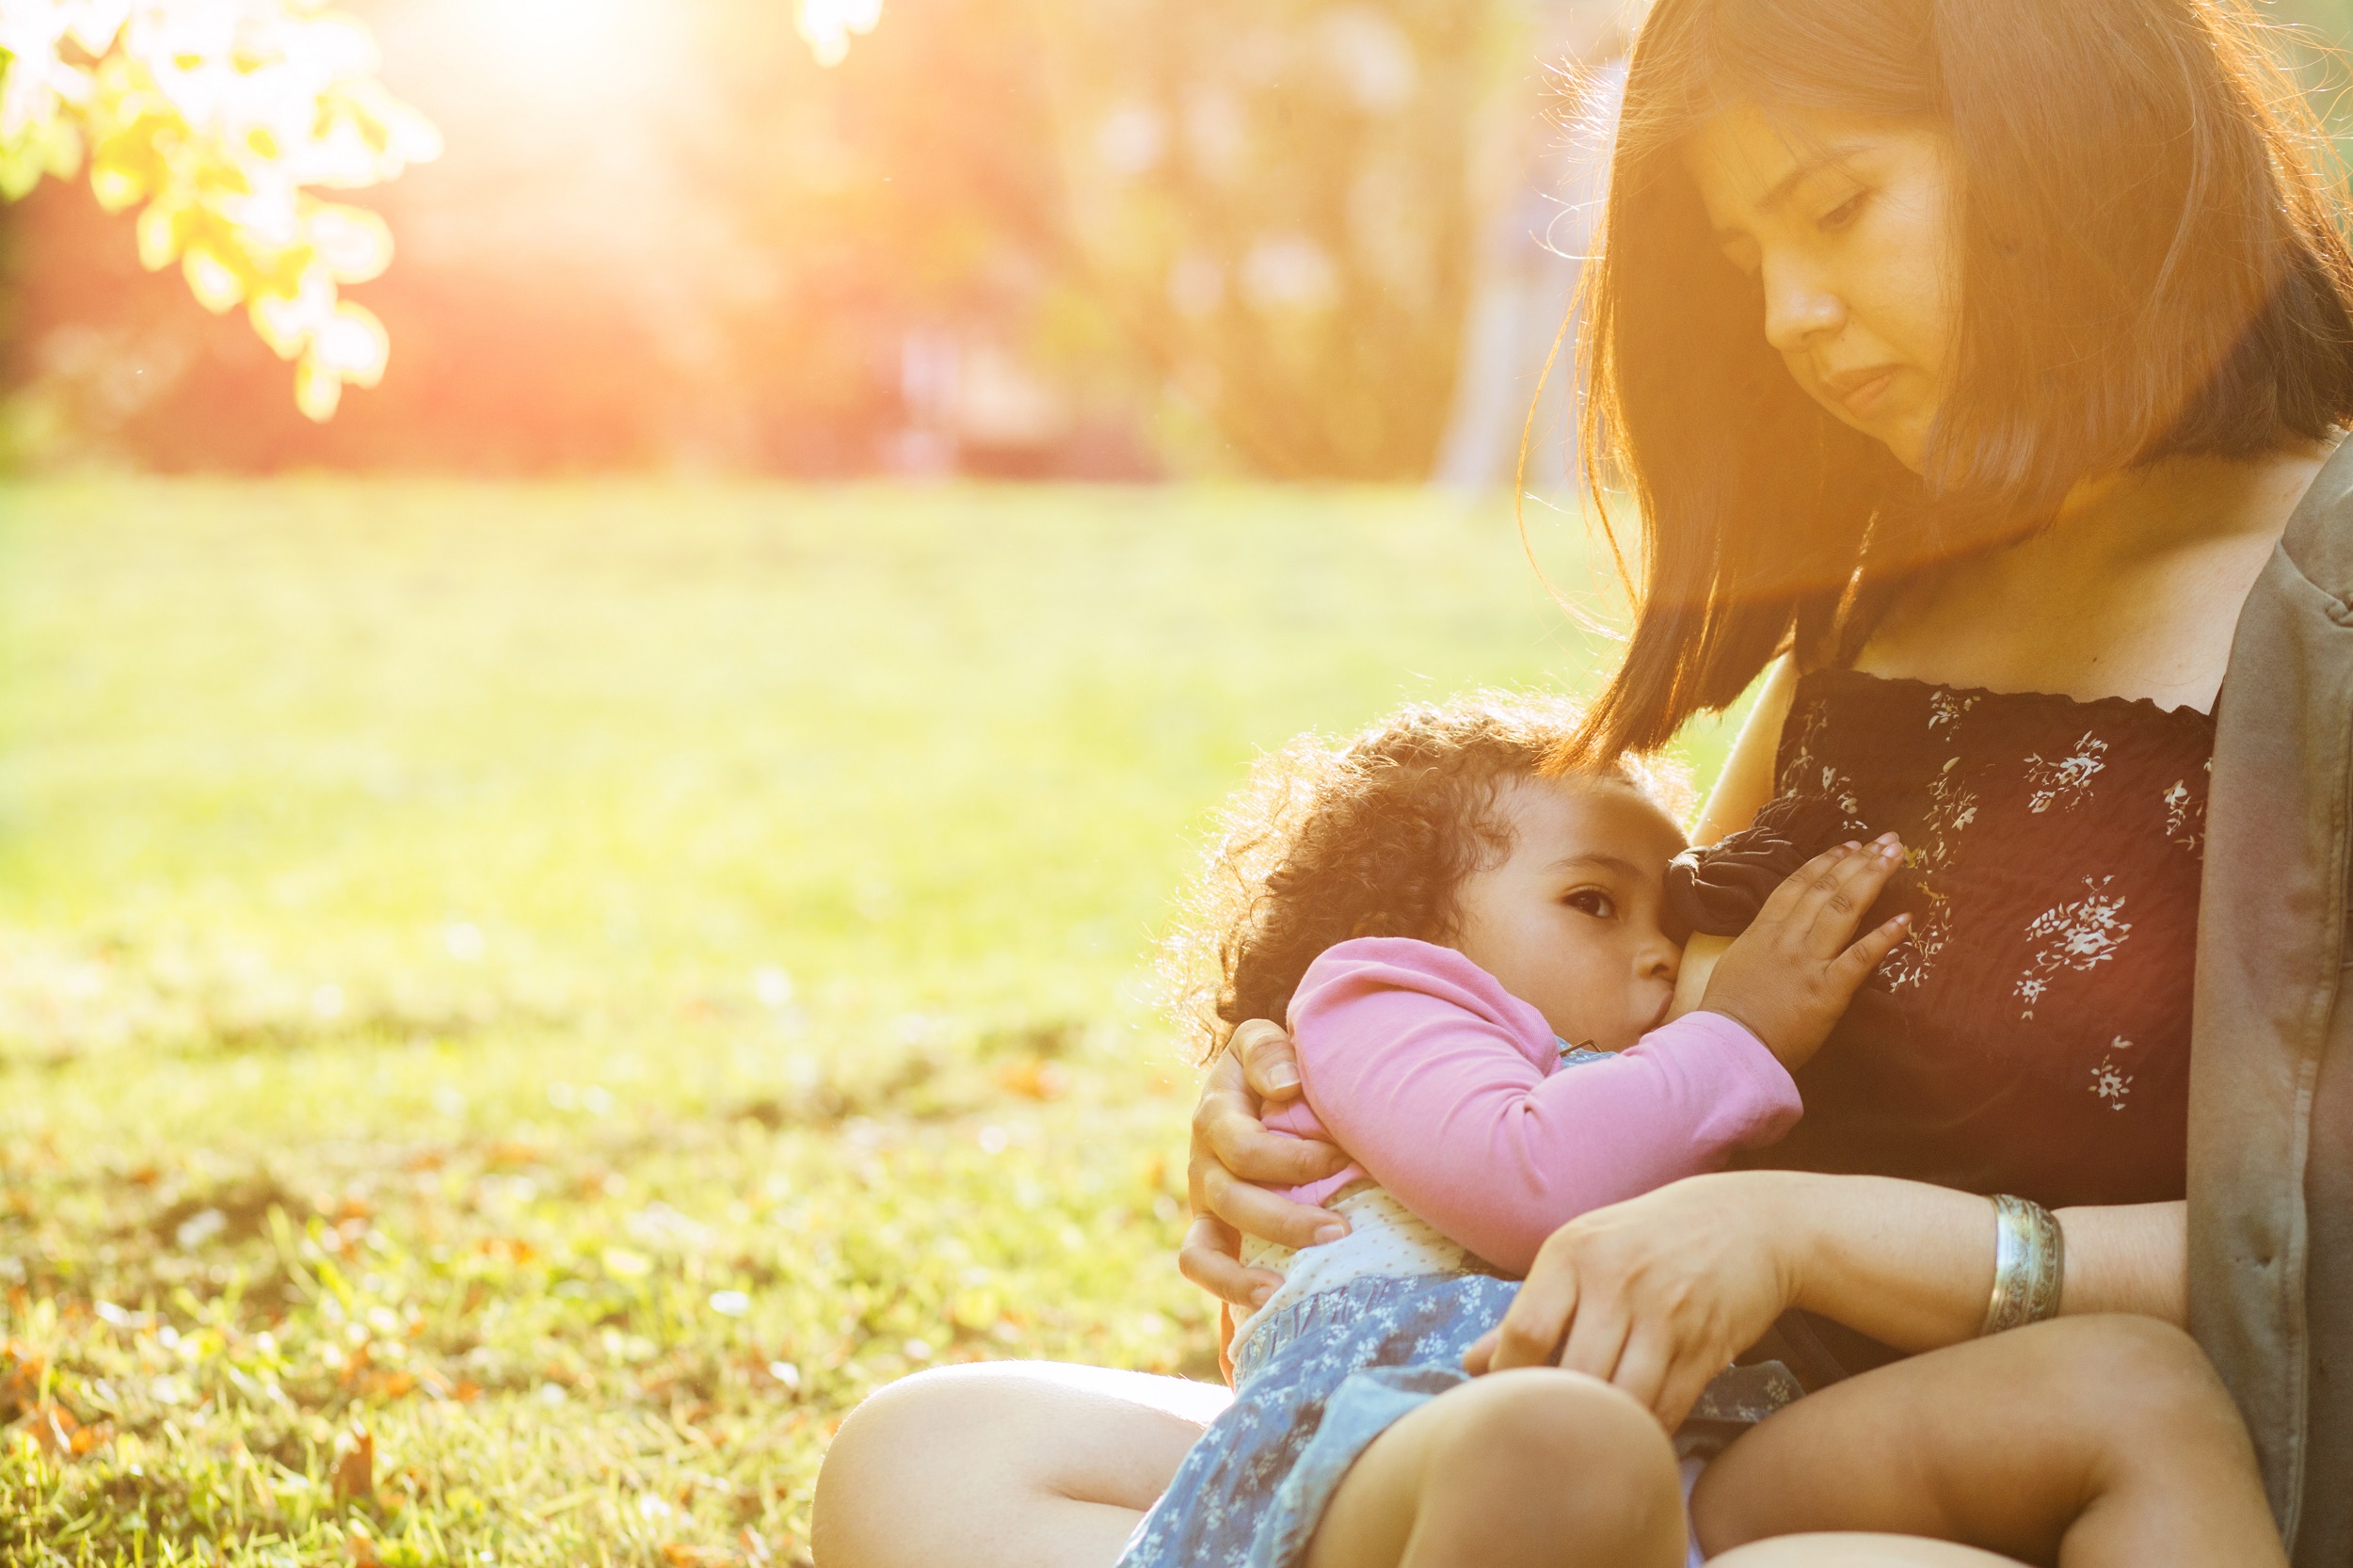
<point>519,1006</point>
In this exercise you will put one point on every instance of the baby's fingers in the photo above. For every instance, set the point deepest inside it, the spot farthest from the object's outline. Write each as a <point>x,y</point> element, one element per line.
<point>1854,966</point>
<point>1794,898</point>
<point>1837,902</point>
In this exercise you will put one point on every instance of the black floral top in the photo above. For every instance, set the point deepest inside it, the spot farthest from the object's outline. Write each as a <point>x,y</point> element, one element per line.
<point>2031,1035</point>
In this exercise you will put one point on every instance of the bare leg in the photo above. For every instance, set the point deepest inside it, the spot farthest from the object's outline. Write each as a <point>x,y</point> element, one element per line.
<point>1010,1465</point>
<point>1857,1551</point>
<point>1514,1470</point>
<point>2089,1442</point>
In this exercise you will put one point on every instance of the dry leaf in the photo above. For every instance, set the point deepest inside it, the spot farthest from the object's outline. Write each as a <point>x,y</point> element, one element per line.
<point>52,1426</point>
<point>355,1465</point>
<point>1033,1078</point>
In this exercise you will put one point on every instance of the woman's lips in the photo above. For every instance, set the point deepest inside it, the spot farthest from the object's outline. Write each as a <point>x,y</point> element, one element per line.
<point>1859,392</point>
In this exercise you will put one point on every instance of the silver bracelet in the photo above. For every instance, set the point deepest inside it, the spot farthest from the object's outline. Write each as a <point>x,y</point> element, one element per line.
<point>2029,1265</point>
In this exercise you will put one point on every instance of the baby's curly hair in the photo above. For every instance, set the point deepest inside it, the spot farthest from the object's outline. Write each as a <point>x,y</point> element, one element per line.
<point>1368,838</point>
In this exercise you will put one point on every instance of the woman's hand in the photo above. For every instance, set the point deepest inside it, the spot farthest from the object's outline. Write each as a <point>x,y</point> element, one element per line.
<point>1232,1150</point>
<point>1657,1294</point>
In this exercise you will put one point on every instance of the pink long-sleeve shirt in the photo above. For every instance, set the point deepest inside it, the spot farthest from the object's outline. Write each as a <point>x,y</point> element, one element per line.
<point>1446,1090</point>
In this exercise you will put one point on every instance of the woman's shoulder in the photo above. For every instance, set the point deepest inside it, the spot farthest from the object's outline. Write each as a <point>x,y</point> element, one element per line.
<point>2318,541</point>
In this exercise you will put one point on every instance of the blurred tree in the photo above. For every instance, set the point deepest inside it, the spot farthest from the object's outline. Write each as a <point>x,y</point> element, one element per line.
<point>1274,199</point>
<point>213,118</point>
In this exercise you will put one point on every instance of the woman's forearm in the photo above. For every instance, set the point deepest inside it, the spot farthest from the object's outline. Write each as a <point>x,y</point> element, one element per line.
<point>1912,1264</point>
<point>2128,1258</point>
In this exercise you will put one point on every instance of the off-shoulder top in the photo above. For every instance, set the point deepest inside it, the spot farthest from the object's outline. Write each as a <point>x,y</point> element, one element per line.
<point>2031,1035</point>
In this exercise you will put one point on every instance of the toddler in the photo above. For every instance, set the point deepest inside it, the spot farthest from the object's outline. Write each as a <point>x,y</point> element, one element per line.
<point>1476,967</point>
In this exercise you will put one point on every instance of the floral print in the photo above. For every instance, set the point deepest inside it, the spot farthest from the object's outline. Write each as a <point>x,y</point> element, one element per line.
<point>2031,1034</point>
<point>2067,782</point>
<point>2073,936</point>
<point>2109,1080</point>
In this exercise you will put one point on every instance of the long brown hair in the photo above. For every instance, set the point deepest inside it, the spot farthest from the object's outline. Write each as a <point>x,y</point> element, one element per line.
<point>2150,266</point>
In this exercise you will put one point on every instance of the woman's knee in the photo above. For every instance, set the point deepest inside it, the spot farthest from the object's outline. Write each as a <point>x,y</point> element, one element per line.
<point>2137,1390</point>
<point>960,1446</point>
<point>2139,1375</point>
<point>880,1459</point>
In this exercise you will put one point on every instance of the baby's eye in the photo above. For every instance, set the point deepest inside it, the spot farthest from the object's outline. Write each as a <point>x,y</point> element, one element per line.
<point>1594,901</point>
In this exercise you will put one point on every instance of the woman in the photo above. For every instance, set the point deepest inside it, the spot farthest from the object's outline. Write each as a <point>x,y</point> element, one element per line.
<point>1974,358</point>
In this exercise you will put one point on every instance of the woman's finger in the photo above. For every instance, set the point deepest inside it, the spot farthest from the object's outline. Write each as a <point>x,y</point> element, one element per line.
<point>1211,1258</point>
<point>1597,1338</point>
<point>1269,1216</point>
<point>1270,1063</point>
<point>1241,1142</point>
<point>1532,1329</point>
<point>1644,1364</point>
<point>1479,1359</point>
<point>1223,1099</point>
<point>1687,1377</point>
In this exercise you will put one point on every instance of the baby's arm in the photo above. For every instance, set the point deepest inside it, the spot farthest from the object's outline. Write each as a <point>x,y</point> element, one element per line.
<point>1434,1077</point>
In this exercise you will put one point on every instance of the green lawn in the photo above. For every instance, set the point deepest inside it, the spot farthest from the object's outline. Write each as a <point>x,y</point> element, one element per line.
<point>519,1006</point>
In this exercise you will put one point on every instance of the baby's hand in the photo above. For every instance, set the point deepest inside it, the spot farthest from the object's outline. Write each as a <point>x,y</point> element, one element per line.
<point>1788,977</point>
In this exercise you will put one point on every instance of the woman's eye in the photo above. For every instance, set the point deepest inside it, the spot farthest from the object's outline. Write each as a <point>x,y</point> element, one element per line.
<point>1592,900</point>
<point>1845,213</point>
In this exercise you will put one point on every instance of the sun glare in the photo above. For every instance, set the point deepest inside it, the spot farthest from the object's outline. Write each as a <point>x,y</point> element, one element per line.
<point>565,51</point>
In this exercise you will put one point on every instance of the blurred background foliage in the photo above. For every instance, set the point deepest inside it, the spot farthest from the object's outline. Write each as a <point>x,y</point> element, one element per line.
<point>1075,238</point>
<point>1123,239</point>
<point>211,120</point>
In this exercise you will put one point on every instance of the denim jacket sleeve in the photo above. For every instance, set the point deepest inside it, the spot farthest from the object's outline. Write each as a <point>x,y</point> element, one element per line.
<point>2271,1075</point>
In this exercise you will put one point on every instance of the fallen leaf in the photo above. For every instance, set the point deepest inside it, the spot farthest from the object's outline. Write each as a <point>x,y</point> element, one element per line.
<point>51,1425</point>
<point>1033,1078</point>
<point>355,1465</point>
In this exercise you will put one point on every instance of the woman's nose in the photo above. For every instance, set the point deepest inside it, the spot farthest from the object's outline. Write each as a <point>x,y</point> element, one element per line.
<point>1799,307</point>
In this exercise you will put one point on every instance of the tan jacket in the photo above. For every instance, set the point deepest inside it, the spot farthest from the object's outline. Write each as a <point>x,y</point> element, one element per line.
<point>2271,1064</point>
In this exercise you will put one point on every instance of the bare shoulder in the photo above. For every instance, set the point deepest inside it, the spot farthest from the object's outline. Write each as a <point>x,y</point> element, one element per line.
<point>1747,781</point>
<point>2134,592</point>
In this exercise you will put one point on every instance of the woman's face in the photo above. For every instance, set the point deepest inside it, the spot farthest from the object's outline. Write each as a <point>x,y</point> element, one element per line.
<point>1850,227</point>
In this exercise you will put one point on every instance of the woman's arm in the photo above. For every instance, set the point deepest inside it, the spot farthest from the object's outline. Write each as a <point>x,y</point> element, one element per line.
<point>1741,790</point>
<point>1657,1293</point>
<point>1747,782</point>
<point>1912,1264</point>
